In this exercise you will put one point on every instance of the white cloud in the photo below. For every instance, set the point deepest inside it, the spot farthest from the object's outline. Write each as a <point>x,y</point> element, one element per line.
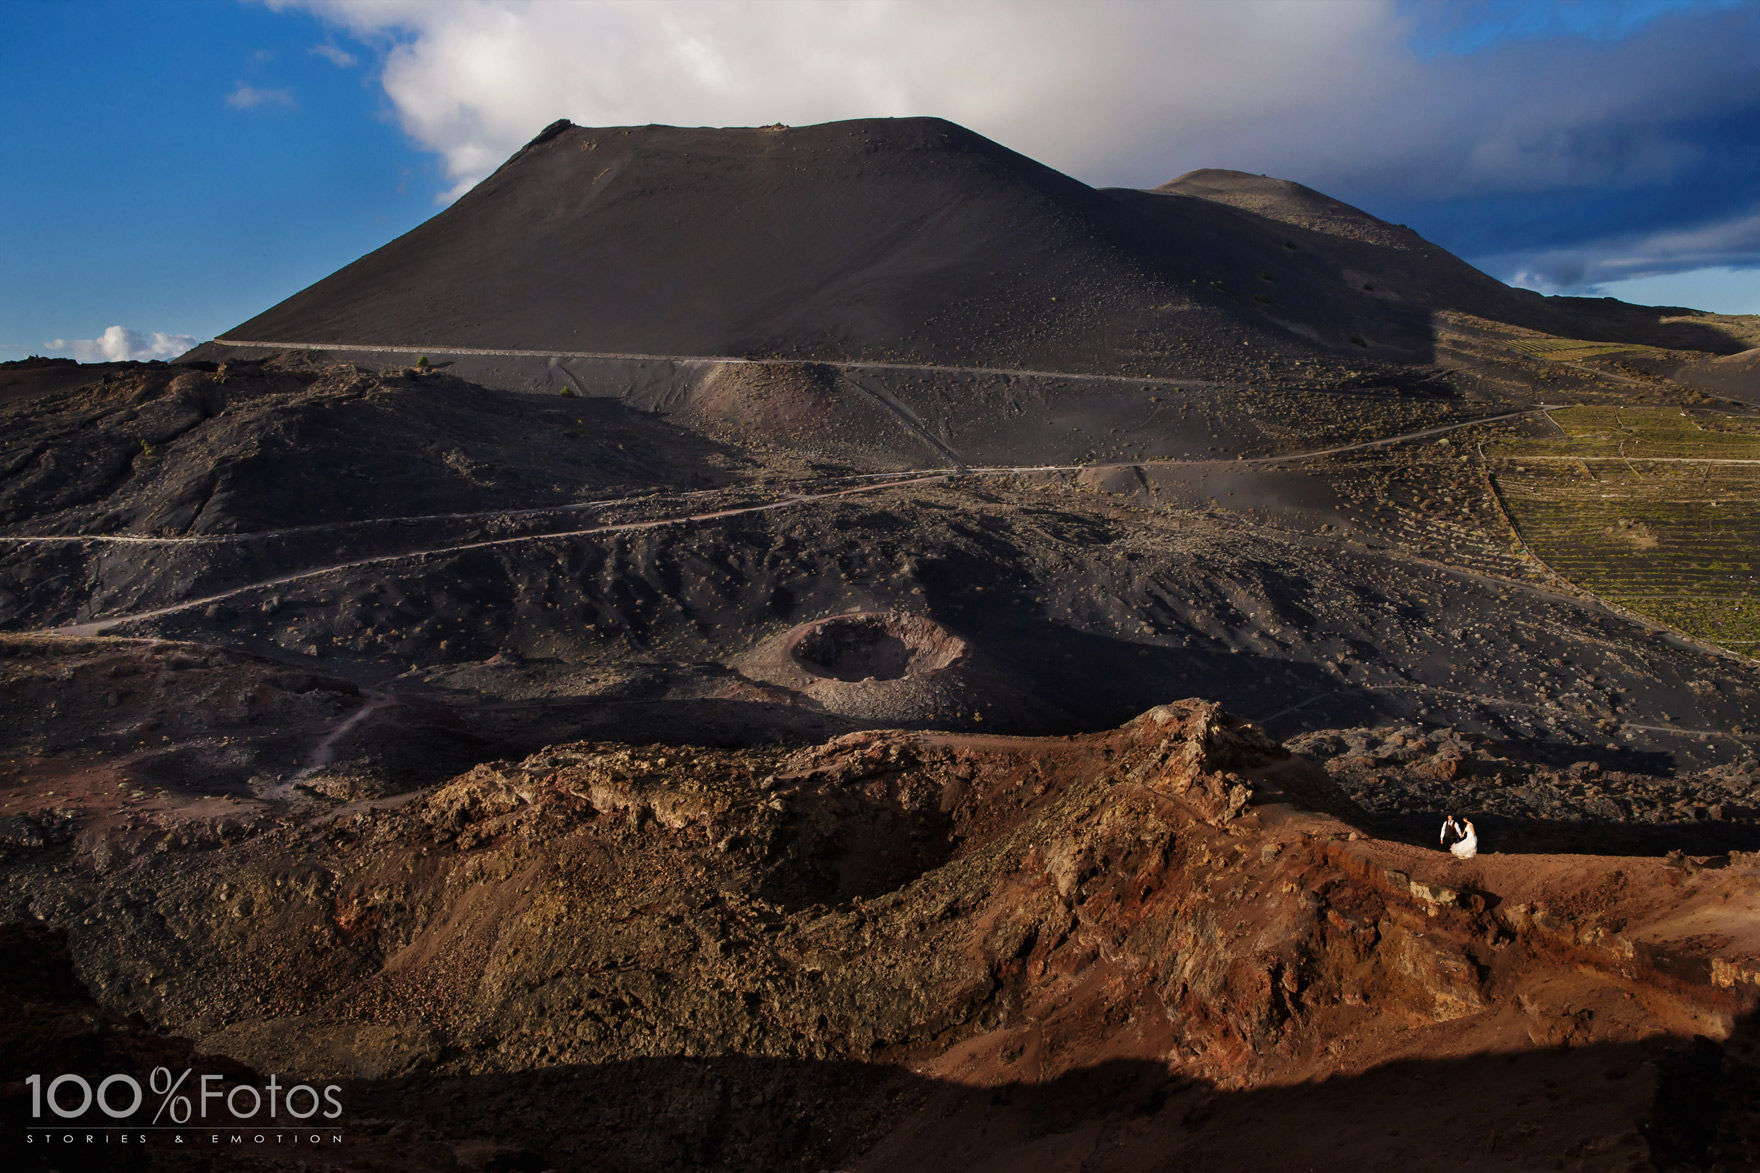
<point>1127,91</point>
<point>341,58</point>
<point>120,344</point>
<point>248,97</point>
<point>1131,92</point>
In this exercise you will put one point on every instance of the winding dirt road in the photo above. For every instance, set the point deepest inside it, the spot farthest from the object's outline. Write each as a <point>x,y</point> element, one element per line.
<point>874,482</point>
<point>709,359</point>
<point>99,626</point>
<point>875,479</point>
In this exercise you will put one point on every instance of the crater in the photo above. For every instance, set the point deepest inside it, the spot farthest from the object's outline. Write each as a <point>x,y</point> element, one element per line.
<point>895,670</point>
<point>883,646</point>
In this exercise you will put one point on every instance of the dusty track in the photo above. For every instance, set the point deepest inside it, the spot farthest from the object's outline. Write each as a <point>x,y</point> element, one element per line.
<point>878,482</point>
<point>97,627</point>
<point>707,359</point>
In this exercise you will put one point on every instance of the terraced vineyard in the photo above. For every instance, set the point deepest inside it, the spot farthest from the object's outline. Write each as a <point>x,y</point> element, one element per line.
<point>1571,349</point>
<point>1652,509</point>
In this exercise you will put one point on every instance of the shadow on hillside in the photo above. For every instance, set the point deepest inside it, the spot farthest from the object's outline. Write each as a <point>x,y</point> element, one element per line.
<point>1276,270</point>
<point>1651,325</point>
<point>1682,1104</point>
<point>1674,1105</point>
<point>1689,1104</point>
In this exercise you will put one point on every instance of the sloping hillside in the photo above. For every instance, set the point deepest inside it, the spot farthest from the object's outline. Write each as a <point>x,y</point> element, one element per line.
<point>908,240</point>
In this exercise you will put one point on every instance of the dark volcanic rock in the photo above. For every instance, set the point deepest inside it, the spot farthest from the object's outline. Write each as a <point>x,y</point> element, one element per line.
<point>257,446</point>
<point>1525,796</point>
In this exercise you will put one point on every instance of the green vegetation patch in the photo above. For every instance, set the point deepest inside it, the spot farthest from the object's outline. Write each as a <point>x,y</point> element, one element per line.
<point>1573,349</point>
<point>1729,623</point>
<point>1652,510</point>
<point>1635,433</point>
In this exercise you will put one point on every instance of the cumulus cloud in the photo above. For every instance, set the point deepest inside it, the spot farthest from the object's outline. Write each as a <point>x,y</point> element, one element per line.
<point>1120,91</point>
<point>1132,92</point>
<point>120,344</point>
<point>1093,89</point>
<point>339,57</point>
<point>248,97</point>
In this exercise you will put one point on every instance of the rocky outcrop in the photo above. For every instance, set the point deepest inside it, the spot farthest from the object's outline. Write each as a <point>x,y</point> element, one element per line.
<point>1525,795</point>
<point>995,911</point>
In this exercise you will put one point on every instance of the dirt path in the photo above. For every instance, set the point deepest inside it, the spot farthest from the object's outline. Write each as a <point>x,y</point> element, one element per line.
<point>910,419</point>
<point>324,753</point>
<point>408,519</point>
<point>616,356</point>
<point>877,482</point>
<point>99,626</point>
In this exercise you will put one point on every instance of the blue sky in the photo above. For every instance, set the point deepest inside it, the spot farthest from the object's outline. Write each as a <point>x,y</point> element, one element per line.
<point>173,168</point>
<point>132,192</point>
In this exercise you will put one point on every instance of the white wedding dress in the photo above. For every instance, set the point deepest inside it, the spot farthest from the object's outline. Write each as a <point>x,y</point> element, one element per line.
<point>1468,846</point>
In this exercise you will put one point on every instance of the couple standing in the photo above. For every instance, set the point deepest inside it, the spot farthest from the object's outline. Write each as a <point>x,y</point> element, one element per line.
<point>1465,843</point>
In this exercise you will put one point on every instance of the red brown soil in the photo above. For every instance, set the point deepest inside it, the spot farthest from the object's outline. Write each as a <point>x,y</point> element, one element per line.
<point>912,950</point>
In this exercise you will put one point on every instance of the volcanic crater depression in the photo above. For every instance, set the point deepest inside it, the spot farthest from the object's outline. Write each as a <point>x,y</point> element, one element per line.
<point>879,647</point>
<point>775,660</point>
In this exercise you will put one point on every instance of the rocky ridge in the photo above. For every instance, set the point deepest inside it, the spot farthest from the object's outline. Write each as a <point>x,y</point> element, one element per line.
<point>1163,918</point>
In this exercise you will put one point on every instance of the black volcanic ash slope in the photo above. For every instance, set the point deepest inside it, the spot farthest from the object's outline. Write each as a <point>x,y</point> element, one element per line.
<point>1384,278</point>
<point>1364,274</point>
<point>909,239</point>
<point>912,240</point>
<point>881,238</point>
<point>261,446</point>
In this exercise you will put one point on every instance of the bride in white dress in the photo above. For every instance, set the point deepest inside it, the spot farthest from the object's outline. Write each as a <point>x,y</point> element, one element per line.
<point>1468,844</point>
